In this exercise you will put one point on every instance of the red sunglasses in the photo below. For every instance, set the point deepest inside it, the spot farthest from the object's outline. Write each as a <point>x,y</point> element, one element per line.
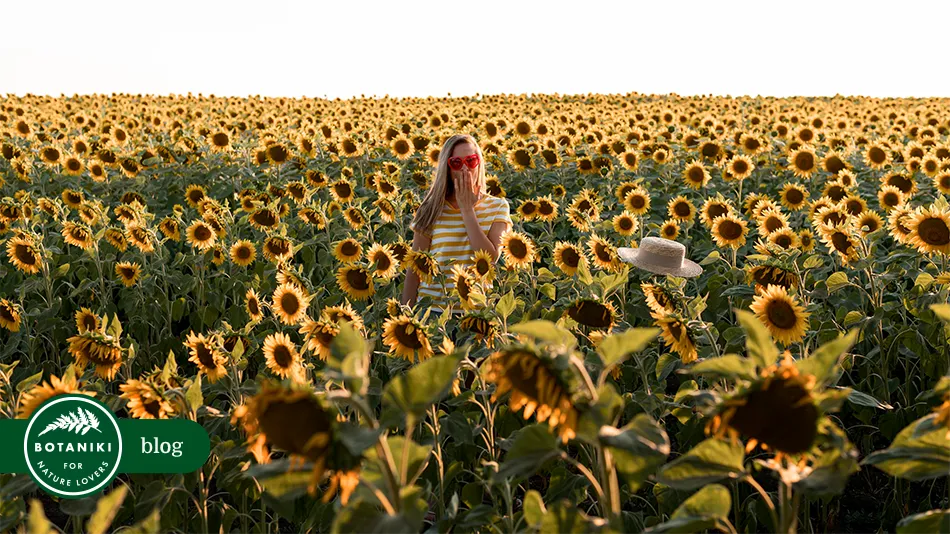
<point>470,161</point>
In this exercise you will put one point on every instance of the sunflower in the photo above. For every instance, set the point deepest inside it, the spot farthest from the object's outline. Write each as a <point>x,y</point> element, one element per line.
<point>834,162</point>
<point>794,196</point>
<point>86,321</point>
<point>482,325</point>
<point>194,194</point>
<point>771,220</point>
<point>201,236</point>
<point>128,272</point>
<point>670,230</point>
<point>243,253</point>
<point>319,336</point>
<point>484,265</point>
<point>264,218</point>
<point>625,223</point>
<point>777,411</point>
<point>740,167</point>
<point>141,237</point>
<point>219,140</point>
<point>10,315</point>
<point>145,401</point>
<point>528,210</point>
<point>695,175</point>
<point>929,230</point>
<point>840,238</point>
<point>51,155</point>
<point>406,338</point>
<point>714,207</point>
<point>676,335</point>
<point>637,201</point>
<point>658,298</point>
<point>343,312</point>
<point>547,209</point>
<point>464,285</point>
<point>24,254</point>
<point>681,209</point>
<point>387,212</point>
<point>941,181</point>
<point>870,220</point>
<point>290,419</point>
<point>98,172</point>
<point>876,156</point>
<point>518,249</point>
<point>806,239</point>
<point>252,303</point>
<point>384,264</point>
<point>534,386</point>
<point>73,198</point>
<point>281,356</point>
<point>603,253</point>
<point>356,281</point>
<point>803,162</point>
<point>568,257</point>
<point>277,248</point>
<point>289,303</point>
<point>77,235</point>
<point>101,350</point>
<point>897,222</point>
<point>348,250</point>
<point>423,264</point>
<point>170,228</point>
<point>277,153</point>
<point>781,313</point>
<point>33,398</point>
<point>729,231</point>
<point>906,184</point>
<point>342,190</point>
<point>785,238</point>
<point>205,354</point>
<point>593,313</point>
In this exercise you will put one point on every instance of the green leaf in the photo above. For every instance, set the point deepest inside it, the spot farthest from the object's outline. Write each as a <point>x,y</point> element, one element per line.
<point>937,521</point>
<point>729,366</point>
<point>566,517</point>
<point>827,358</point>
<point>605,411</point>
<point>583,273</point>
<point>532,447</point>
<point>150,525</point>
<point>863,399</point>
<point>700,512</point>
<point>612,282</point>
<point>616,348</point>
<point>347,342</point>
<point>942,311</point>
<point>288,485</point>
<point>115,327</point>
<point>29,382</point>
<point>758,341</point>
<point>638,448</point>
<point>106,509</point>
<point>836,281</point>
<point>549,291</point>
<point>710,461</point>
<point>921,458</point>
<point>545,331</point>
<point>506,305</point>
<point>829,474</point>
<point>413,392</point>
<point>713,257</point>
<point>534,508</point>
<point>193,395</point>
<point>812,261</point>
<point>170,369</point>
<point>853,317</point>
<point>37,522</point>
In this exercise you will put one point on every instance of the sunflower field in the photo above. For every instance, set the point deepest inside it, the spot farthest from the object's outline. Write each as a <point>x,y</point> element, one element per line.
<point>238,262</point>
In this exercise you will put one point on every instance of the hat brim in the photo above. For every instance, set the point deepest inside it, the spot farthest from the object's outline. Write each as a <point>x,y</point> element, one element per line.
<point>689,269</point>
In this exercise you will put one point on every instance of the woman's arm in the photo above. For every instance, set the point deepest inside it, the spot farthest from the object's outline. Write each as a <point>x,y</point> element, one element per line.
<point>410,290</point>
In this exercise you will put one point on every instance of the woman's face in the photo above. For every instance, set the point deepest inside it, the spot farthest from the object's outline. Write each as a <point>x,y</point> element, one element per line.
<point>461,150</point>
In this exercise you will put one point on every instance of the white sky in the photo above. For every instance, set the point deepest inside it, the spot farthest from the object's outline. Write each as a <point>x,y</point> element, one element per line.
<point>343,48</point>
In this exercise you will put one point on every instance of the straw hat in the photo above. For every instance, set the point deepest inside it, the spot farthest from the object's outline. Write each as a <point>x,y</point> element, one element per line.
<point>660,256</point>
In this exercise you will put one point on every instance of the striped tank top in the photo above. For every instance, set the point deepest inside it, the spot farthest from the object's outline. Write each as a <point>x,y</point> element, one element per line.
<point>450,244</point>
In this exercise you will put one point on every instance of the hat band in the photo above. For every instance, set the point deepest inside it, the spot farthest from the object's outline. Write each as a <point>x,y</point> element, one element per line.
<point>657,260</point>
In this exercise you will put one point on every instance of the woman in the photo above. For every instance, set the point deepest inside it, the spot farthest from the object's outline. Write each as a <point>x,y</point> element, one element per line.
<point>456,219</point>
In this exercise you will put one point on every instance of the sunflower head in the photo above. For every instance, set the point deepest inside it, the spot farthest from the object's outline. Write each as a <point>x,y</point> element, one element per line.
<point>676,334</point>
<point>593,313</point>
<point>146,400</point>
<point>785,319</point>
<point>406,338</point>
<point>356,280</point>
<point>99,349</point>
<point>482,325</point>
<point>31,399</point>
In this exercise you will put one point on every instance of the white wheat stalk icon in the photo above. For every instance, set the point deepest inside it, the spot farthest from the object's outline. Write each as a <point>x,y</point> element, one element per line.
<point>79,422</point>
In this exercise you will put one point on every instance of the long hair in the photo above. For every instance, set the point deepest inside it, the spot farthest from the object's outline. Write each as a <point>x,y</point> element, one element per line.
<point>431,206</point>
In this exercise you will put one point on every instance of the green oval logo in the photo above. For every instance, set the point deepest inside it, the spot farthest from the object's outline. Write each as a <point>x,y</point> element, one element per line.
<point>73,446</point>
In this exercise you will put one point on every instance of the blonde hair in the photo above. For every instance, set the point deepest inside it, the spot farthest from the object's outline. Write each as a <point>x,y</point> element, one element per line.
<point>431,206</point>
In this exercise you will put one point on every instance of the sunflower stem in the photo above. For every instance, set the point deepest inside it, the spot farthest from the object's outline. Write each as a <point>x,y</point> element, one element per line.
<point>768,501</point>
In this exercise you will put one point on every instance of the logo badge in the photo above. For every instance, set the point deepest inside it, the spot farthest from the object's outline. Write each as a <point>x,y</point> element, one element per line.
<point>73,446</point>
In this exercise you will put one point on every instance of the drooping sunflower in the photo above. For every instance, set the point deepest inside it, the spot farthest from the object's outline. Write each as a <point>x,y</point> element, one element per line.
<point>676,335</point>
<point>658,298</point>
<point>99,349</point>
<point>205,354</point>
<point>381,258</point>
<point>33,398</point>
<point>464,284</point>
<point>348,250</point>
<point>840,238</point>
<point>10,315</point>
<point>695,175</point>
<point>170,228</point>
<point>568,257</point>
<point>73,198</point>
<point>603,253</point>
<point>794,196</point>
<point>24,254</point>
<point>729,231</point>
<point>201,236</point>
<point>86,320</point>
<point>289,303</point>
<point>670,230</point>
<point>278,248</point>
<point>264,218</point>
<point>897,223</point>
<point>777,411</point>
<point>77,235</point>
<point>929,230</point>
<point>145,401</point>
<point>343,312</point>
<point>518,249</point>
<point>128,272</point>
<point>355,217</point>
<point>243,252</point>
<point>141,237</point>
<point>319,335</point>
<point>482,325</point>
<point>423,264</point>
<point>281,356</point>
<point>781,313</point>
<point>252,303</point>
<point>535,386</point>
<point>406,338</point>
<point>356,281</point>
<point>593,313</point>
<point>681,209</point>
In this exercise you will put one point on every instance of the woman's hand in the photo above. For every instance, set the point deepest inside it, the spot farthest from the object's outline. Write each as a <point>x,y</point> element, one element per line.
<point>466,190</point>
